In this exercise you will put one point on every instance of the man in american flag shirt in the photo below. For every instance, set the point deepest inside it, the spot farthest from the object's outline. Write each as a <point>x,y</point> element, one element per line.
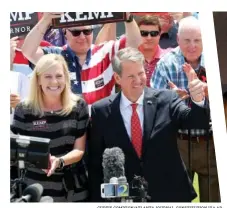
<point>89,65</point>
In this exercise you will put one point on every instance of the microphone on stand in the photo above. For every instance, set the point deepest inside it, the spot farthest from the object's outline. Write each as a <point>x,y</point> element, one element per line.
<point>32,193</point>
<point>113,163</point>
<point>115,185</point>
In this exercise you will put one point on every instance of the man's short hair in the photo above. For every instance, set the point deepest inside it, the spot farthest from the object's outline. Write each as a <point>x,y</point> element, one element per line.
<point>126,54</point>
<point>149,20</point>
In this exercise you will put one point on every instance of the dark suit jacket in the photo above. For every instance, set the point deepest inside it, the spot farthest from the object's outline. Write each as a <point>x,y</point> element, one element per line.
<point>161,164</point>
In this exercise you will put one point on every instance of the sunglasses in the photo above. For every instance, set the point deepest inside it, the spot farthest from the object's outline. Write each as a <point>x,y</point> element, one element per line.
<point>145,33</point>
<point>78,32</point>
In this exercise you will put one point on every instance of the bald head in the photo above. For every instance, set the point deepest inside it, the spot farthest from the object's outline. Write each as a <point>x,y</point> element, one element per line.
<point>188,24</point>
<point>190,39</point>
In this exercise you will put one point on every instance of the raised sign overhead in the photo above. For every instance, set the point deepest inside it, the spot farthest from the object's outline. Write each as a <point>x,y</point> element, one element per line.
<point>72,19</point>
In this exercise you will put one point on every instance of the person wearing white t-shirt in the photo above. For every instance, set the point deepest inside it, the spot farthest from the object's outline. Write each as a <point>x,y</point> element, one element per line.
<point>19,83</point>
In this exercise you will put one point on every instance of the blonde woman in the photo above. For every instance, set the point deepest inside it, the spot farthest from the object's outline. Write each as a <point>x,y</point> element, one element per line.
<point>52,111</point>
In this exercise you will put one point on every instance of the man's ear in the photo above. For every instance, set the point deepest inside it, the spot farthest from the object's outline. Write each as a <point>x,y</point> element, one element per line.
<point>117,78</point>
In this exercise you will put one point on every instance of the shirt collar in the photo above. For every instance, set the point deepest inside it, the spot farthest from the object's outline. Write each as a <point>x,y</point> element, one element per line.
<point>157,54</point>
<point>18,49</point>
<point>73,54</point>
<point>125,102</point>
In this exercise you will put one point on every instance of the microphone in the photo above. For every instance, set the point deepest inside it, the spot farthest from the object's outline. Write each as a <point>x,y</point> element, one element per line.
<point>115,186</point>
<point>46,199</point>
<point>32,193</point>
<point>113,163</point>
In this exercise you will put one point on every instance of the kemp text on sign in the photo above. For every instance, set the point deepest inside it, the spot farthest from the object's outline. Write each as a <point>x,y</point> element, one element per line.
<point>22,22</point>
<point>72,19</point>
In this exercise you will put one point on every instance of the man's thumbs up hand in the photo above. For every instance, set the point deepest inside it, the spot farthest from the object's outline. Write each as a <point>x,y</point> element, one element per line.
<point>196,87</point>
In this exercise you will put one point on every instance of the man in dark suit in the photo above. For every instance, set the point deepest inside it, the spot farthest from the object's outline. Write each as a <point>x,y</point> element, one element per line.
<point>143,122</point>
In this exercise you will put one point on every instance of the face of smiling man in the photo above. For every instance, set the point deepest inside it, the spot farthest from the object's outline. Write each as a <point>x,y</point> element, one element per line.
<point>132,79</point>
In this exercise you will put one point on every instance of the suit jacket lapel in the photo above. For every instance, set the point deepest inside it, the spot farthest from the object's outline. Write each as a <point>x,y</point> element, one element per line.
<point>150,105</point>
<point>116,118</point>
<point>120,131</point>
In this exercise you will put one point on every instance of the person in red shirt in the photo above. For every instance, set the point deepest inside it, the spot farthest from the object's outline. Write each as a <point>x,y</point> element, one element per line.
<point>150,30</point>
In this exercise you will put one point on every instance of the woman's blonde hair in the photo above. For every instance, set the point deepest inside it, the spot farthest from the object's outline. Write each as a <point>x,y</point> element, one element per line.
<point>35,97</point>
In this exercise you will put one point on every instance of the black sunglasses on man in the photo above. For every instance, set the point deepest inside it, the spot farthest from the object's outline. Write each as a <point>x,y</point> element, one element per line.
<point>76,32</point>
<point>145,33</point>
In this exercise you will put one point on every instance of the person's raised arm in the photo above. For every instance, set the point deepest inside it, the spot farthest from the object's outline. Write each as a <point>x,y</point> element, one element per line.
<point>133,37</point>
<point>107,33</point>
<point>31,49</point>
<point>13,46</point>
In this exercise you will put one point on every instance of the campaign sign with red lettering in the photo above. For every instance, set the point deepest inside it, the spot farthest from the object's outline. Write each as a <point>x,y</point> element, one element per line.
<point>72,19</point>
<point>22,22</point>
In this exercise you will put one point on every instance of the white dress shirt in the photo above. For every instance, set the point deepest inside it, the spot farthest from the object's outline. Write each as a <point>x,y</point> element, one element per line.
<point>126,111</point>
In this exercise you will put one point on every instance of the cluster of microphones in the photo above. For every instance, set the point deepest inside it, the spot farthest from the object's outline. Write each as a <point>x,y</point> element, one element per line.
<point>115,187</point>
<point>32,193</point>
